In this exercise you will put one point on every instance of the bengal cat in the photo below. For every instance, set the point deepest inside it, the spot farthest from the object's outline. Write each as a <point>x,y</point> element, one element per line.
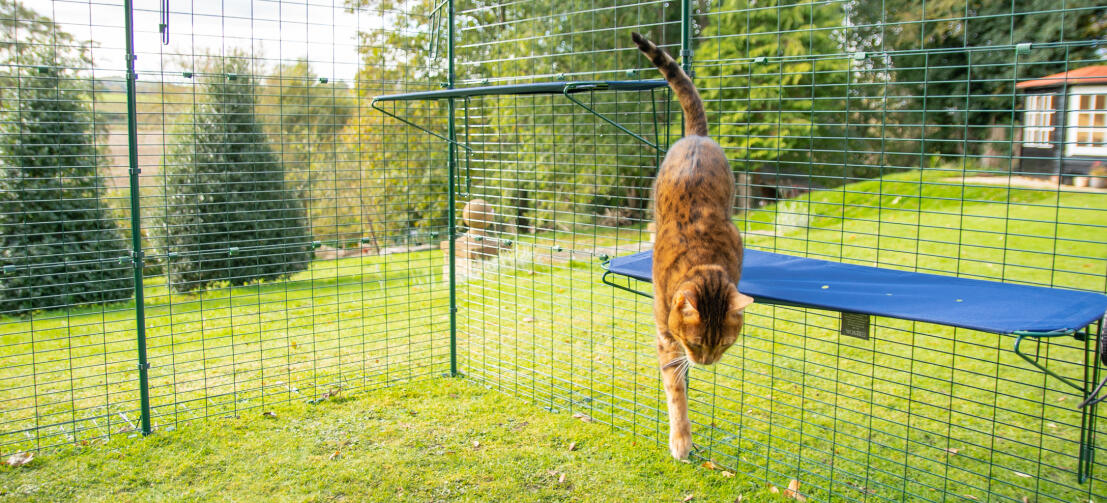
<point>697,254</point>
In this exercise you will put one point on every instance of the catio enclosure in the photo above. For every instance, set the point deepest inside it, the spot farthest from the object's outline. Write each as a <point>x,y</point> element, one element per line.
<point>258,207</point>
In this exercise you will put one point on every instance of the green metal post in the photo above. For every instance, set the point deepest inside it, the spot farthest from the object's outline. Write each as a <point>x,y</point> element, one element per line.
<point>451,160</point>
<point>136,221</point>
<point>686,36</point>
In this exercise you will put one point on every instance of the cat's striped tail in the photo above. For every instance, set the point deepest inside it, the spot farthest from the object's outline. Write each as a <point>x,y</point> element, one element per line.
<point>695,119</point>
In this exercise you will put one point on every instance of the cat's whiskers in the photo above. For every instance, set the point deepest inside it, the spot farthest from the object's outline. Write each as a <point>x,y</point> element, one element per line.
<point>684,366</point>
<point>680,360</point>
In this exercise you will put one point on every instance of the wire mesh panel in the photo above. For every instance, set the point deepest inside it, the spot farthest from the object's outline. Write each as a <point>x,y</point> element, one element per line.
<point>289,234</point>
<point>296,237</point>
<point>68,361</point>
<point>296,229</point>
<point>889,135</point>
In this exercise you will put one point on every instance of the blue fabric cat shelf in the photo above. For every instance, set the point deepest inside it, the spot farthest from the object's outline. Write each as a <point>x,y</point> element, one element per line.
<point>856,291</point>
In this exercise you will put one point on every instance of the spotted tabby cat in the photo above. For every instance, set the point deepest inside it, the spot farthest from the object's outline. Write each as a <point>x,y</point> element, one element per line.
<point>697,255</point>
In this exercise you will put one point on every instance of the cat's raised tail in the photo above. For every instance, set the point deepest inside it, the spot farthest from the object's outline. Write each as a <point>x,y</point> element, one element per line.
<point>695,119</point>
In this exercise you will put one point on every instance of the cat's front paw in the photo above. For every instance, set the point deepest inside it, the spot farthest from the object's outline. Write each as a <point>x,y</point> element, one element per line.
<point>680,444</point>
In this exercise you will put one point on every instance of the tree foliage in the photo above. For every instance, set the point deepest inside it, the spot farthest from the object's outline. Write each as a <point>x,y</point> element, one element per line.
<point>231,215</point>
<point>954,63</point>
<point>305,115</point>
<point>30,38</point>
<point>774,84</point>
<point>57,241</point>
<point>391,158</point>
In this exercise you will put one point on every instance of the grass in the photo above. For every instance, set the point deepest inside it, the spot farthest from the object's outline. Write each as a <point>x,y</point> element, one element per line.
<point>348,324</point>
<point>439,440</point>
<point>918,411</point>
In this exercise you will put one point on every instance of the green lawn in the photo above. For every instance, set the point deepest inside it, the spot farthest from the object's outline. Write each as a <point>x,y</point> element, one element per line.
<point>918,411</point>
<point>439,440</point>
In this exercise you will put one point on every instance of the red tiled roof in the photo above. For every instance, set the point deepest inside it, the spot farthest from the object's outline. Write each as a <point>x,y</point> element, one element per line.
<point>1096,74</point>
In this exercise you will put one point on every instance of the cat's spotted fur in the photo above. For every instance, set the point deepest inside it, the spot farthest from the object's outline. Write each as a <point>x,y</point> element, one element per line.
<point>697,254</point>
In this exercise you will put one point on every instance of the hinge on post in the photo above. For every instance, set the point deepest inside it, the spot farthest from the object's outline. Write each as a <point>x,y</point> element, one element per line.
<point>686,61</point>
<point>136,258</point>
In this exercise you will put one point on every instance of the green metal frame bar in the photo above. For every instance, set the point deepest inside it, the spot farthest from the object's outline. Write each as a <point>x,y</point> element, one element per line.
<point>451,196</point>
<point>1086,458</point>
<point>136,221</point>
<point>608,282</point>
<point>564,88</point>
<point>686,37</point>
<point>1045,335</point>
<point>573,86</point>
<point>1088,414</point>
<point>452,139</point>
<point>527,89</point>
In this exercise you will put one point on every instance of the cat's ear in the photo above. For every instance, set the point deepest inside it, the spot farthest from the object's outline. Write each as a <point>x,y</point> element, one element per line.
<point>738,301</point>
<point>683,301</point>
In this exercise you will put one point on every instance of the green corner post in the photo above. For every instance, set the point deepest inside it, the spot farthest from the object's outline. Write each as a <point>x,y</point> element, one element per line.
<point>451,160</point>
<point>136,220</point>
<point>686,36</point>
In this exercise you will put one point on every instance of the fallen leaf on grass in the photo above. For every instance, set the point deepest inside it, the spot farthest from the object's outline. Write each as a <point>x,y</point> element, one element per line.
<point>528,319</point>
<point>952,450</point>
<point>269,414</point>
<point>333,455</point>
<point>476,444</point>
<point>583,417</point>
<point>793,491</point>
<point>1024,475</point>
<point>332,393</point>
<point>1025,499</point>
<point>572,446</point>
<point>860,487</point>
<point>969,496</point>
<point>728,475</point>
<point>20,459</point>
<point>739,499</point>
<point>710,465</point>
<point>561,479</point>
<point>773,489</point>
<point>688,498</point>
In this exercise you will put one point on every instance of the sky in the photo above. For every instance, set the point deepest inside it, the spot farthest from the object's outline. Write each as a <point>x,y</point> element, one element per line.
<point>278,31</point>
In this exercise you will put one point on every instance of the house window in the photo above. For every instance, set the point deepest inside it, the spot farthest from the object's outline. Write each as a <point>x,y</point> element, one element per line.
<point>1088,121</point>
<point>1038,126</point>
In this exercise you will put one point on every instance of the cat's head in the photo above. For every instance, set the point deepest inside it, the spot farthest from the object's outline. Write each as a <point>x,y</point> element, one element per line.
<point>705,317</point>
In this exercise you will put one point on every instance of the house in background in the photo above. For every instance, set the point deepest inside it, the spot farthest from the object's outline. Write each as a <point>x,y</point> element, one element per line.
<point>1064,130</point>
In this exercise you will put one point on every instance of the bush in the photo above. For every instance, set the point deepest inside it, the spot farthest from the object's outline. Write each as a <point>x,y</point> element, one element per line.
<point>58,243</point>
<point>231,216</point>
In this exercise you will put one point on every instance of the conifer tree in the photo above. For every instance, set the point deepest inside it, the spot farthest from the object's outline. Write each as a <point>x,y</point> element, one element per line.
<point>231,216</point>
<point>58,243</point>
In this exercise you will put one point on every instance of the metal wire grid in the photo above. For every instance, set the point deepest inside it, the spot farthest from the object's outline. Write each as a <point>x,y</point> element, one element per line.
<point>916,412</point>
<point>369,310</point>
